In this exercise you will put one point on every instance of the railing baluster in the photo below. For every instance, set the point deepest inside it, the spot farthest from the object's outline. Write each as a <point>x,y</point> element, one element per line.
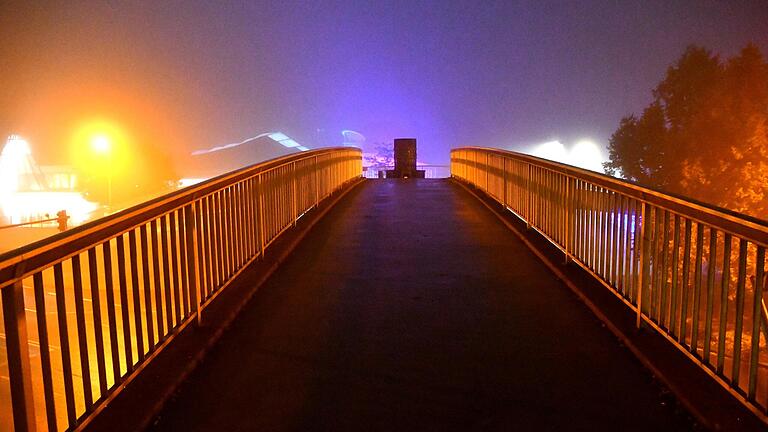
<point>97,330</point>
<point>589,226</point>
<point>66,355</point>
<point>225,235</point>
<point>757,318</point>
<point>176,273</point>
<point>664,316</point>
<point>17,350</point>
<point>740,294</point>
<point>294,201</point>
<point>253,223</point>
<point>725,283</point>
<point>602,238</point>
<point>623,245</point>
<point>218,239</point>
<point>192,258</point>
<point>135,289</point>
<point>183,289</point>
<point>106,255</point>
<point>82,338</point>
<point>637,210</point>
<point>166,273</point>
<point>157,279</point>
<point>229,228</point>
<point>528,194</point>
<point>247,215</point>
<point>580,233</point>
<point>235,227</point>
<point>613,217</point>
<point>686,277</point>
<point>260,192</point>
<point>697,288</point>
<point>653,255</point>
<point>205,244</point>
<point>242,231</point>
<point>673,323</point>
<point>147,288</point>
<point>710,293</point>
<point>644,260</point>
<point>45,353</point>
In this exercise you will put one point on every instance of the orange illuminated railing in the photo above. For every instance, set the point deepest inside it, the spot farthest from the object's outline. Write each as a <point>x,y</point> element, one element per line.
<point>85,310</point>
<point>693,272</point>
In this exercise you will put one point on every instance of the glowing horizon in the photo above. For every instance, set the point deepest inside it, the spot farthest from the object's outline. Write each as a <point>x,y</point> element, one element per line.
<point>585,154</point>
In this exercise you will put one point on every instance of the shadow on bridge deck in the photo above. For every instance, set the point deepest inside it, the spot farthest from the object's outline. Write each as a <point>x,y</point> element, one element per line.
<point>411,307</point>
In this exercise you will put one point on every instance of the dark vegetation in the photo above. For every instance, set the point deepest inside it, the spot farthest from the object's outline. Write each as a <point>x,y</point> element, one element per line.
<point>705,135</point>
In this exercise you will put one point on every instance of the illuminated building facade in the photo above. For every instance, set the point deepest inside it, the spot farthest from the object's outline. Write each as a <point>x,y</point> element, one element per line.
<point>30,192</point>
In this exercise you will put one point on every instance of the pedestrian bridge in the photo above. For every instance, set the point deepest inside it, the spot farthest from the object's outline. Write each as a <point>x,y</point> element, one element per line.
<point>518,294</point>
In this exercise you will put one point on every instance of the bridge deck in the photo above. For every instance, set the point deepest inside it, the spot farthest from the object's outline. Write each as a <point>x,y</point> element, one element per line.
<point>410,307</point>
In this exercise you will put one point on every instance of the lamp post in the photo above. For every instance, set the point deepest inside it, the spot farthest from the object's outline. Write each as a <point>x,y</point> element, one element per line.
<point>103,145</point>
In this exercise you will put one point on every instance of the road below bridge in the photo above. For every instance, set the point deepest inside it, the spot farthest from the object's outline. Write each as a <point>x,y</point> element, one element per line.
<point>411,307</point>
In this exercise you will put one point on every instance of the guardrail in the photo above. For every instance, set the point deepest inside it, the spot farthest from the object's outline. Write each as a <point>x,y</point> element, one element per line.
<point>60,220</point>
<point>430,171</point>
<point>84,311</point>
<point>693,272</point>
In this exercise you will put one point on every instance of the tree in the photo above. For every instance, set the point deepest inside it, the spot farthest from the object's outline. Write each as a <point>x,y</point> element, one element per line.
<point>705,135</point>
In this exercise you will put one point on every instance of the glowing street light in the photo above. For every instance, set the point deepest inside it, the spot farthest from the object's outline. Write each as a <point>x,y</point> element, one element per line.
<point>101,144</point>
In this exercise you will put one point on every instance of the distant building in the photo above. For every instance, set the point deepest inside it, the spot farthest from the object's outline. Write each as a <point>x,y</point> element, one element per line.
<point>59,177</point>
<point>30,192</point>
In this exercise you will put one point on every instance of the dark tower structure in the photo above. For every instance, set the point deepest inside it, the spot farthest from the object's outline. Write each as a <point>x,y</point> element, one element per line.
<point>405,160</point>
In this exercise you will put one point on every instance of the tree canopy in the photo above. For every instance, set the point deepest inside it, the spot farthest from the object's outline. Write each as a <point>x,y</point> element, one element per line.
<point>705,135</point>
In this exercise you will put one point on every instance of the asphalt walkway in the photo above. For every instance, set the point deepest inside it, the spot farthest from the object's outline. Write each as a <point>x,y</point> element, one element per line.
<point>411,307</point>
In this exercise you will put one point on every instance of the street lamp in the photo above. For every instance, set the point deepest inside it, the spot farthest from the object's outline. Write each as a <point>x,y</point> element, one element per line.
<point>103,145</point>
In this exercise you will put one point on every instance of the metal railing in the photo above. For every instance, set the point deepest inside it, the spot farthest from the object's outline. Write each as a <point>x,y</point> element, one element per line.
<point>84,311</point>
<point>693,272</point>
<point>430,171</point>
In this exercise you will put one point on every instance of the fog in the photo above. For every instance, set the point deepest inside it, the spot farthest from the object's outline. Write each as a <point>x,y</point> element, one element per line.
<point>180,76</point>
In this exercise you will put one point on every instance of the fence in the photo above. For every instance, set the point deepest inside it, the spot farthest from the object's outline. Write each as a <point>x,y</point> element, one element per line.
<point>85,310</point>
<point>430,171</point>
<point>693,272</point>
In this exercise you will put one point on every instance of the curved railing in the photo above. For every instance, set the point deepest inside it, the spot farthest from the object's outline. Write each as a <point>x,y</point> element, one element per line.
<point>693,272</point>
<point>116,291</point>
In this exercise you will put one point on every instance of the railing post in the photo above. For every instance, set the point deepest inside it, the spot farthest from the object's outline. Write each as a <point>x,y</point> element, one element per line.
<point>757,317</point>
<point>260,192</point>
<point>17,349</point>
<point>643,262</point>
<point>528,201</point>
<point>295,206</point>
<point>193,279</point>
<point>504,179</point>
<point>568,208</point>
<point>317,183</point>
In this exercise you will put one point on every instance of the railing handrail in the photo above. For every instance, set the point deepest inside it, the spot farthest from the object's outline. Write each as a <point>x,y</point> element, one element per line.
<point>736,223</point>
<point>39,221</point>
<point>427,166</point>
<point>61,246</point>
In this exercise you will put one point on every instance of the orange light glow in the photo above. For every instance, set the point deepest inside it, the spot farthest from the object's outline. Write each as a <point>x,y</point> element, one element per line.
<point>101,148</point>
<point>30,206</point>
<point>101,144</point>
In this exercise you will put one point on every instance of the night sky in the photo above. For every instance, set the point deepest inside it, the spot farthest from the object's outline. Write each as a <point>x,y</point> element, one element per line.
<point>188,75</point>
